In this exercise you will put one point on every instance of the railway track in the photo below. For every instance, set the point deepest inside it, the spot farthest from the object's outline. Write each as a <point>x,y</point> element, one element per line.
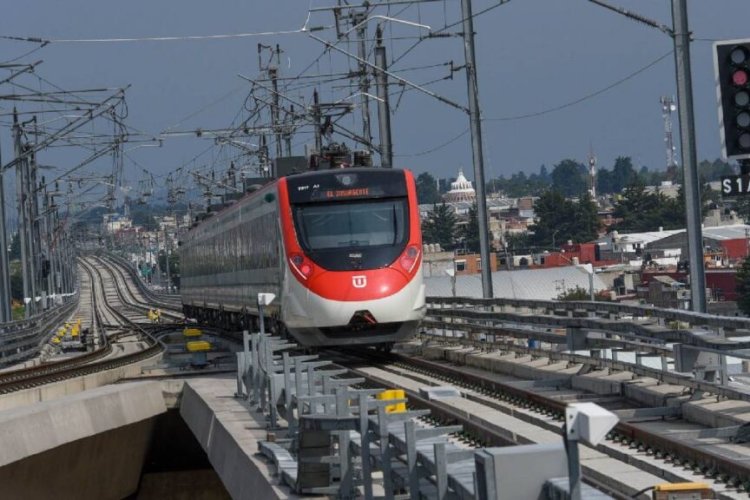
<point>649,449</point>
<point>137,299</point>
<point>169,302</point>
<point>109,322</point>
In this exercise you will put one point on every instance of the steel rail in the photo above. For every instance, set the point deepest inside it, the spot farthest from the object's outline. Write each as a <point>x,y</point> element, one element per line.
<point>91,362</point>
<point>702,461</point>
<point>684,380</point>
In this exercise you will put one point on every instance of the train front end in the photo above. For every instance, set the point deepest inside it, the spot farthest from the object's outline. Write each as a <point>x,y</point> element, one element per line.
<point>353,245</point>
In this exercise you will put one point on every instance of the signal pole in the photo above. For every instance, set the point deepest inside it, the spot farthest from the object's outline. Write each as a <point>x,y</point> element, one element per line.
<point>384,109</point>
<point>5,311</point>
<point>360,22</point>
<point>681,38</point>
<point>476,144</point>
<point>680,34</point>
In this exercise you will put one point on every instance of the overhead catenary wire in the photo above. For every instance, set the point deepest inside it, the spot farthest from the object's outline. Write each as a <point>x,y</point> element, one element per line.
<point>560,107</point>
<point>585,97</point>
<point>220,36</point>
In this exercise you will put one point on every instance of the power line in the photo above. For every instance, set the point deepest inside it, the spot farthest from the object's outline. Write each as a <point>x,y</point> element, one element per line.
<point>436,148</point>
<point>543,112</point>
<point>584,98</point>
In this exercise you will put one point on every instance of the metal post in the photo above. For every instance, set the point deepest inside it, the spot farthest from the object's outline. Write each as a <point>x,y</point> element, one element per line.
<point>360,21</point>
<point>476,143</point>
<point>23,221</point>
<point>316,122</point>
<point>36,243</point>
<point>261,319</point>
<point>689,157</point>
<point>156,257</point>
<point>5,311</point>
<point>384,108</point>
<point>273,75</point>
<point>166,255</point>
<point>574,468</point>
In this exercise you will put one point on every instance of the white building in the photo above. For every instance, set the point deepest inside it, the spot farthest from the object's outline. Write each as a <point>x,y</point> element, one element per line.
<point>461,189</point>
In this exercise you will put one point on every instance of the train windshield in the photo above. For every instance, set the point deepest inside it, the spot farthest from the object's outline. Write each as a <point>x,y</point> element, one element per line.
<point>354,224</point>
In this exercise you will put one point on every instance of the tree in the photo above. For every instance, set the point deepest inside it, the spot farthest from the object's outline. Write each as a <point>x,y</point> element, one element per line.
<point>586,220</point>
<point>623,173</point>
<point>577,293</point>
<point>144,218</point>
<point>643,211</point>
<point>569,178</point>
<point>15,247</point>
<point>440,227</point>
<point>16,281</point>
<point>517,241</point>
<point>743,287</point>
<point>559,219</point>
<point>427,191</point>
<point>714,170</point>
<point>470,231</point>
<point>519,184</point>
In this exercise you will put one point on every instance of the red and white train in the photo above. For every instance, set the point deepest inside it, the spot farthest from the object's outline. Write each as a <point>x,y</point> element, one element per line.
<point>341,250</point>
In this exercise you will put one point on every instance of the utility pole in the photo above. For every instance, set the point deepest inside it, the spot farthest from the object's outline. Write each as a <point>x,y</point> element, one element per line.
<point>681,38</point>
<point>680,34</point>
<point>35,226</point>
<point>316,122</point>
<point>273,75</point>
<point>166,255</point>
<point>5,311</point>
<point>476,143</point>
<point>24,220</point>
<point>288,121</point>
<point>384,111</point>
<point>360,22</point>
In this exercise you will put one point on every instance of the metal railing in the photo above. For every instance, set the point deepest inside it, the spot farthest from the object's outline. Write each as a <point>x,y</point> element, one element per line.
<point>699,355</point>
<point>339,436</point>
<point>20,340</point>
<point>643,311</point>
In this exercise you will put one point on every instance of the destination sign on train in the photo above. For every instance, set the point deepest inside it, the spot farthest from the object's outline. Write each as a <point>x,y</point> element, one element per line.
<point>735,185</point>
<point>355,183</point>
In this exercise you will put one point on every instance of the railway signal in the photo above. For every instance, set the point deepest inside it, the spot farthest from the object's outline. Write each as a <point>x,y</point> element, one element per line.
<point>732,66</point>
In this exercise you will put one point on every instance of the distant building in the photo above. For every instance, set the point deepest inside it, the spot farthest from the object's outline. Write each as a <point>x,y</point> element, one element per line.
<point>664,291</point>
<point>116,222</point>
<point>526,207</point>
<point>461,190</point>
<point>472,263</point>
<point>436,262</point>
<point>540,284</point>
<point>666,188</point>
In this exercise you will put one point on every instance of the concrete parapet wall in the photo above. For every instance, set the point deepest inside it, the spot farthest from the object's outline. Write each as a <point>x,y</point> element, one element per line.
<point>229,433</point>
<point>89,445</point>
<point>33,429</point>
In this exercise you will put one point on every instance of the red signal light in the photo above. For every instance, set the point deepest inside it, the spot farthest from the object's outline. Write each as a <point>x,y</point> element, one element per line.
<point>739,77</point>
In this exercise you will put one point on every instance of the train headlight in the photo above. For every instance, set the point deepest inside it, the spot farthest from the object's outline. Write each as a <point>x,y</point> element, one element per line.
<point>409,258</point>
<point>303,266</point>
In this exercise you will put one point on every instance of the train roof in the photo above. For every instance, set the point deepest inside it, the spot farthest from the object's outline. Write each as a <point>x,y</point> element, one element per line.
<point>311,174</point>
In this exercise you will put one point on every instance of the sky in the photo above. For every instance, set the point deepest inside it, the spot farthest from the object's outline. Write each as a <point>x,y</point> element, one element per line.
<point>532,56</point>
